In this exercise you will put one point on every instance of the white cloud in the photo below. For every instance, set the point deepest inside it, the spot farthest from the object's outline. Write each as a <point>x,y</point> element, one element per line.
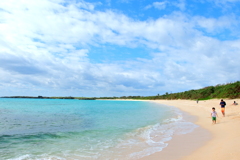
<point>216,25</point>
<point>159,5</point>
<point>163,4</point>
<point>44,47</point>
<point>224,1</point>
<point>181,5</point>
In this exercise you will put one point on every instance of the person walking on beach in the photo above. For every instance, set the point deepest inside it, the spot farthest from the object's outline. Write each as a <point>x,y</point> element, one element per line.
<point>235,103</point>
<point>223,104</point>
<point>214,115</point>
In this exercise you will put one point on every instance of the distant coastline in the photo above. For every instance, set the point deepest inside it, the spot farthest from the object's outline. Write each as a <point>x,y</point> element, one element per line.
<point>229,91</point>
<point>42,97</point>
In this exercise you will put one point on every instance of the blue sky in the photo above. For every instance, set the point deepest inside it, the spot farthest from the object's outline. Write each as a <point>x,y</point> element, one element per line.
<point>117,48</point>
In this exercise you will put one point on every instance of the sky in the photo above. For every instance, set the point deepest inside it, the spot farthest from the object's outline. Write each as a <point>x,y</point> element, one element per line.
<point>98,48</point>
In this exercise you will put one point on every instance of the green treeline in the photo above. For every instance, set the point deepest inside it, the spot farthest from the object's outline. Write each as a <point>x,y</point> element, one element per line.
<point>229,90</point>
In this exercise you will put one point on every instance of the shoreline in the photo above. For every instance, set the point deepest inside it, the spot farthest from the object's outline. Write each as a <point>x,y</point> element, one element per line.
<point>177,148</point>
<point>219,142</point>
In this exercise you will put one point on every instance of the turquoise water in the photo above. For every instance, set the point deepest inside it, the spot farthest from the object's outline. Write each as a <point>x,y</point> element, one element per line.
<point>84,129</point>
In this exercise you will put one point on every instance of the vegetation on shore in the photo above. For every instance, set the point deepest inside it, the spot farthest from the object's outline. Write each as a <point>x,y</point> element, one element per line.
<point>229,90</point>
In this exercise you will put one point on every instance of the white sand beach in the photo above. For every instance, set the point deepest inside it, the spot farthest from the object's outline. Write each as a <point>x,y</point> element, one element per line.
<point>219,141</point>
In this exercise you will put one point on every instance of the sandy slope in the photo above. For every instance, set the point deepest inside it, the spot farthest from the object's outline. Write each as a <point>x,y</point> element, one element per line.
<point>223,142</point>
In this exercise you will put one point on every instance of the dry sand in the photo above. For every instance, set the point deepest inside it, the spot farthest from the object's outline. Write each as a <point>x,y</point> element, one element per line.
<point>220,141</point>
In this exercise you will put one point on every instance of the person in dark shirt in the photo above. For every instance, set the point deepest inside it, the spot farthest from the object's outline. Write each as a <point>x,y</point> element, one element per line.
<point>235,103</point>
<point>223,104</point>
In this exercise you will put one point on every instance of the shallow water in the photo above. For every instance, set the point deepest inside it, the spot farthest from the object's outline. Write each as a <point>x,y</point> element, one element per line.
<point>82,129</point>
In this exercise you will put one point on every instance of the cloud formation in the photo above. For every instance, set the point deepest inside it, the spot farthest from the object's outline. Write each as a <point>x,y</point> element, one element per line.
<point>49,48</point>
<point>158,5</point>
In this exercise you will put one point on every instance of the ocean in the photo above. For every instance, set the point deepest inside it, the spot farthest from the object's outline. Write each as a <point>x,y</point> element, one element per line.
<point>58,129</point>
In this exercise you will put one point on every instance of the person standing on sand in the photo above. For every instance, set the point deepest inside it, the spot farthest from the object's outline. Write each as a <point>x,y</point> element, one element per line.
<point>223,104</point>
<point>214,115</point>
<point>235,103</point>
